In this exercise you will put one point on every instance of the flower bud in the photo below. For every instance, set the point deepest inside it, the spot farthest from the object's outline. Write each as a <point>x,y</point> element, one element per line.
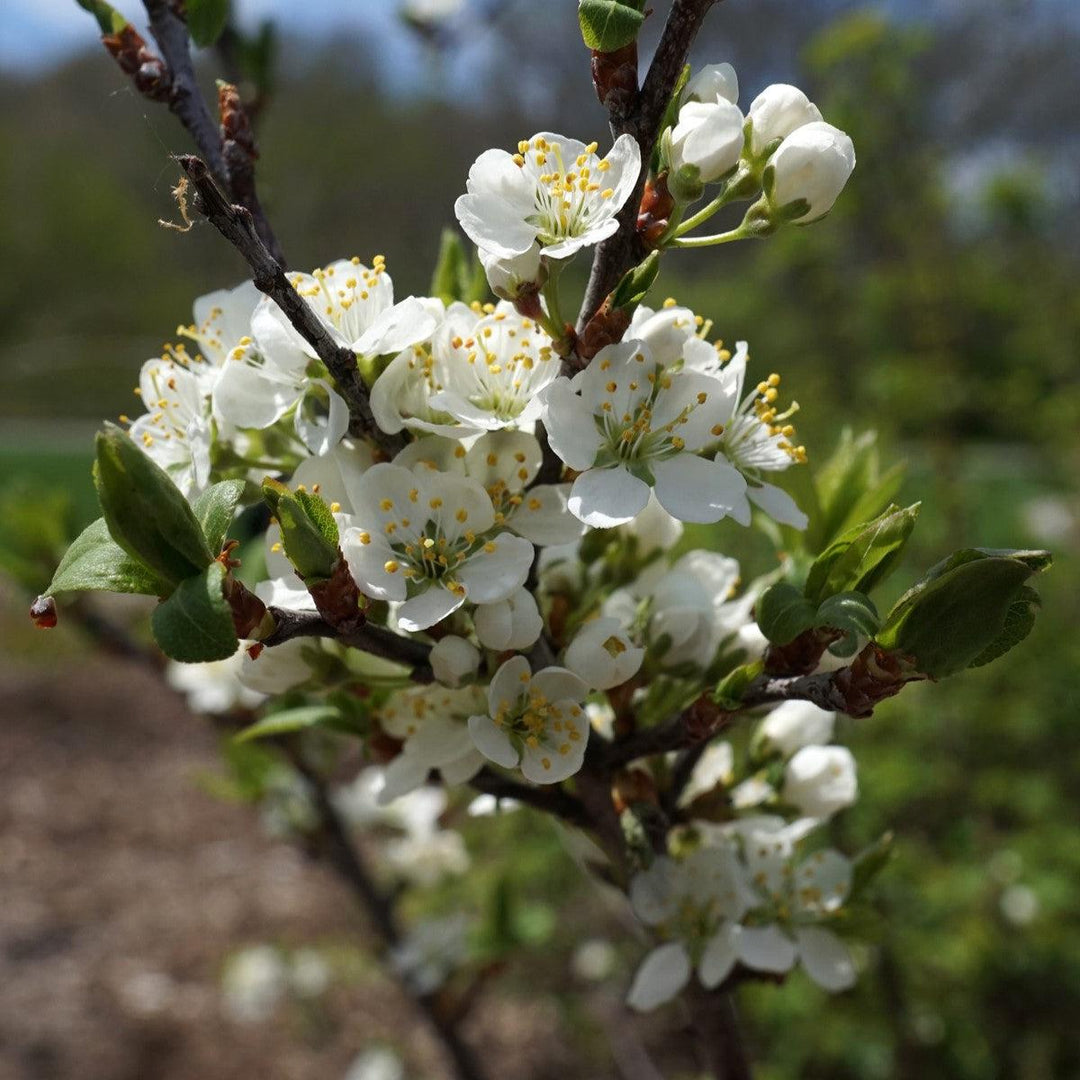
<point>454,660</point>
<point>709,139</point>
<point>712,84</point>
<point>509,277</point>
<point>776,112</point>
<point>513,623</point>
<point>820,780</point>
<point>602,655</point>
<point>811,165</point>
<point>795,724</point>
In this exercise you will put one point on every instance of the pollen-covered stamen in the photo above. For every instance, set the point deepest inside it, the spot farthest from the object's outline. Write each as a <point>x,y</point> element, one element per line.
<point>568,193</point>
<point>757,436</point>
<point>347,294</point>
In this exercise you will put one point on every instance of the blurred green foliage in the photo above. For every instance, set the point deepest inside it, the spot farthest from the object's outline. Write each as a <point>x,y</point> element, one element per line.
<point>949,321</point>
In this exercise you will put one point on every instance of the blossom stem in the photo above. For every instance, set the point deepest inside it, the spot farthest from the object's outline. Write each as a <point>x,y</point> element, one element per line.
<point>706,212</point>
<point>710,241</point>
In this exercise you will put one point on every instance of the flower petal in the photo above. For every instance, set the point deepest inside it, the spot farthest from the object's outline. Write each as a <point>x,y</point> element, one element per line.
<point>661,976</point>
<point>826,958</point>
<point>492,741</point>
<point>778,504</point>
<point>497,569</point>
<point>570,425</point>
<point>607,497</point>
<point>430,607</point>
<point>719,956</point>
<point>693,489</point>
<point>765,948</point>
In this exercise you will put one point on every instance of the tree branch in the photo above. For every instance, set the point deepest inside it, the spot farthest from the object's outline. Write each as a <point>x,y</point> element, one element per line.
<point>370,639</point>
<point>237,225</point>
<point>620,252</point>
<point>716,1024</point>
<point>551,800</point>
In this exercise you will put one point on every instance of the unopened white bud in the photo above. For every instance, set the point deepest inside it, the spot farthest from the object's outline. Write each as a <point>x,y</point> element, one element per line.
<point>776,112</point>
<point>795,724</point>
<point>709,138</point>
<point>508,277</point>
<point>453,660</point>
<point>602,655</point>
<point>713,83</point>
<point>812,164</point>
<point>820,780</point>
<point>513,623</point>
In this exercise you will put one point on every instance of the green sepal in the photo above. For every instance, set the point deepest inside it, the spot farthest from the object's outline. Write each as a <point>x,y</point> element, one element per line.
<point>729,691</point>
<point>866,866</point>
<point>607,25</point>
<point>108,18</point>
<point>195,624</point>
<point>861,558</point>
<point>206,20</point>
<point>309,532</point>
<point>215,508</point>
<point>145,512</point>
<point>671,115</point>
<point>635,284</point>
<point>963,612</point>
<point>96,563</point>
<point>290,721</point>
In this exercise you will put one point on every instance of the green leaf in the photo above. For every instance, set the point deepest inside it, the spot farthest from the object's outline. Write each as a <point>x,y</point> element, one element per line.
<point>206,19</point>
<point>866,866</point>
<point>731,688</point>
<point>635,283</point>
<point>861,558</point>
<point>783,613</point>
<point>215,508</point>
<point>195,624</point>
<point>959,611</point>
<point>451,269</point>
<point>1019,622</point>
<point>145,511</point>
<point>607,25</point>
<point>108,18</point>
<point>288,721</point>
<point>96,563</point>
<point>852,612</point>
<point>309,532</point>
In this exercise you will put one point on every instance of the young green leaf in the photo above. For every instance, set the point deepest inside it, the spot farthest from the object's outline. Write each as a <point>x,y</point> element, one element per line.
<point>195,624</point>
<point>1019,622</point>
<point>861,558</point>
<point>607,25</point>
<point>145,512</point>
<point>206,20</point>
<point>215,508</point>
<point>96,563</point>
<point>108,18</point>
<point>309,533</point>
<point>289,721</point>
<point>730,689</point>
<point>783,613</point>
<point>451,269</point>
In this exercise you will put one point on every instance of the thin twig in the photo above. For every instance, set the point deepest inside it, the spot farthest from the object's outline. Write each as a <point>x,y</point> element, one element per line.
<point>719,1039</point>
<point>236,224</point>
<point>375,640</point>
<point>552,800</point>
<point>620,252</point>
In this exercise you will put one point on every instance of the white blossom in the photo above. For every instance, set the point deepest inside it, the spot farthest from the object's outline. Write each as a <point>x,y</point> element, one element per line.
<point>776,112</point>
<point>508,278</point>
<point>432,723</point>
<point>273,671</point>
<point>254,983</point>
<point>535,720</point>
<point>708,137</point>
<point>695,904</point>
<point>554,191</point>
<point>514,623</point>
<point>627,425</point>
<point>429,543</point>
<point>603,655</point>
<point>220,319</point>
<point>454,660</point>
<point>715,767</point>
<point>431,951</point>
<point>376,1063</point>
<point>712,84</point>
<point>812,164</point>
<point>215,687</point>
<point>820,780</point>
<point>792,725</point>
<point>476,372</point>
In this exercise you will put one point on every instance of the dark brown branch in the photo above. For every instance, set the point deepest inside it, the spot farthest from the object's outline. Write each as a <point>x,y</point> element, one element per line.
<point>716,1024</point>
<point>642,119</point>
<point>186,101</point>
<point>237,225</point>
<point>370,639</point>
<point>339,851</point>
<point>551,800</point>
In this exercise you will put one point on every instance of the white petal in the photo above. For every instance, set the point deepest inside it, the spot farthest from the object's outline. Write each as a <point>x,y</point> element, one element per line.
<point>693,489</point>
<point>826,958</point>
<point>553,762</point>
<point>438,740</point>
<point>453,659</point>
<point>402,775</point>
<point>400,327</point>
<point>570,425</point>
<point>464,768</point>
<point>778,504</point>
<point>509,683</point>
<point>367,564</point>
<point>430,607</point>
<point>492,741</point>
<point>557,684</point>
<point>765,948</point>
<point>661,976</point>
<point>250,395</point>
<point>719,956</point>
<point>320,434</point>
<point>544,517</point>
<point>604,498</point>
<point>497,569</point>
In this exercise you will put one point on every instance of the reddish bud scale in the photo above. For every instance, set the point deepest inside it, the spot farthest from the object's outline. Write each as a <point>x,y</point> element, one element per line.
<point>338,600</point>
<point>43,612</point>
<point>383,748</point>
<point>704,718</point>
<point>632,787</point>
<point>606,327</point>
<point>235,126</point>
<point>248,611</point>
<point>149,72</point>
<point>874,676</point>
<point>802,655</point>
<point>654,213</point>
<point>615,78</point>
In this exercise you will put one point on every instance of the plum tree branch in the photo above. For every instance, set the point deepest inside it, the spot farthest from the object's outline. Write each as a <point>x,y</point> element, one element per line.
<point>237,225</point>
<point>623,250</point>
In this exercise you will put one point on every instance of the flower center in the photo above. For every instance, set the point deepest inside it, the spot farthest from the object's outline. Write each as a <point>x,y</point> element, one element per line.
<point>567,199</point>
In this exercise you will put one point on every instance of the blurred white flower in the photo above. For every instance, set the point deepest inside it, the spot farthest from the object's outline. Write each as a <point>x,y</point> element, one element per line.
<point>254,983</point>
<point>795,724</point>
<point>820,780</point>
<point>213,688</point>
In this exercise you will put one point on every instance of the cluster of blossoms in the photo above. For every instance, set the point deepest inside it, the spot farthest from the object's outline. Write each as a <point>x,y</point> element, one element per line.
<point>523,516</point>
